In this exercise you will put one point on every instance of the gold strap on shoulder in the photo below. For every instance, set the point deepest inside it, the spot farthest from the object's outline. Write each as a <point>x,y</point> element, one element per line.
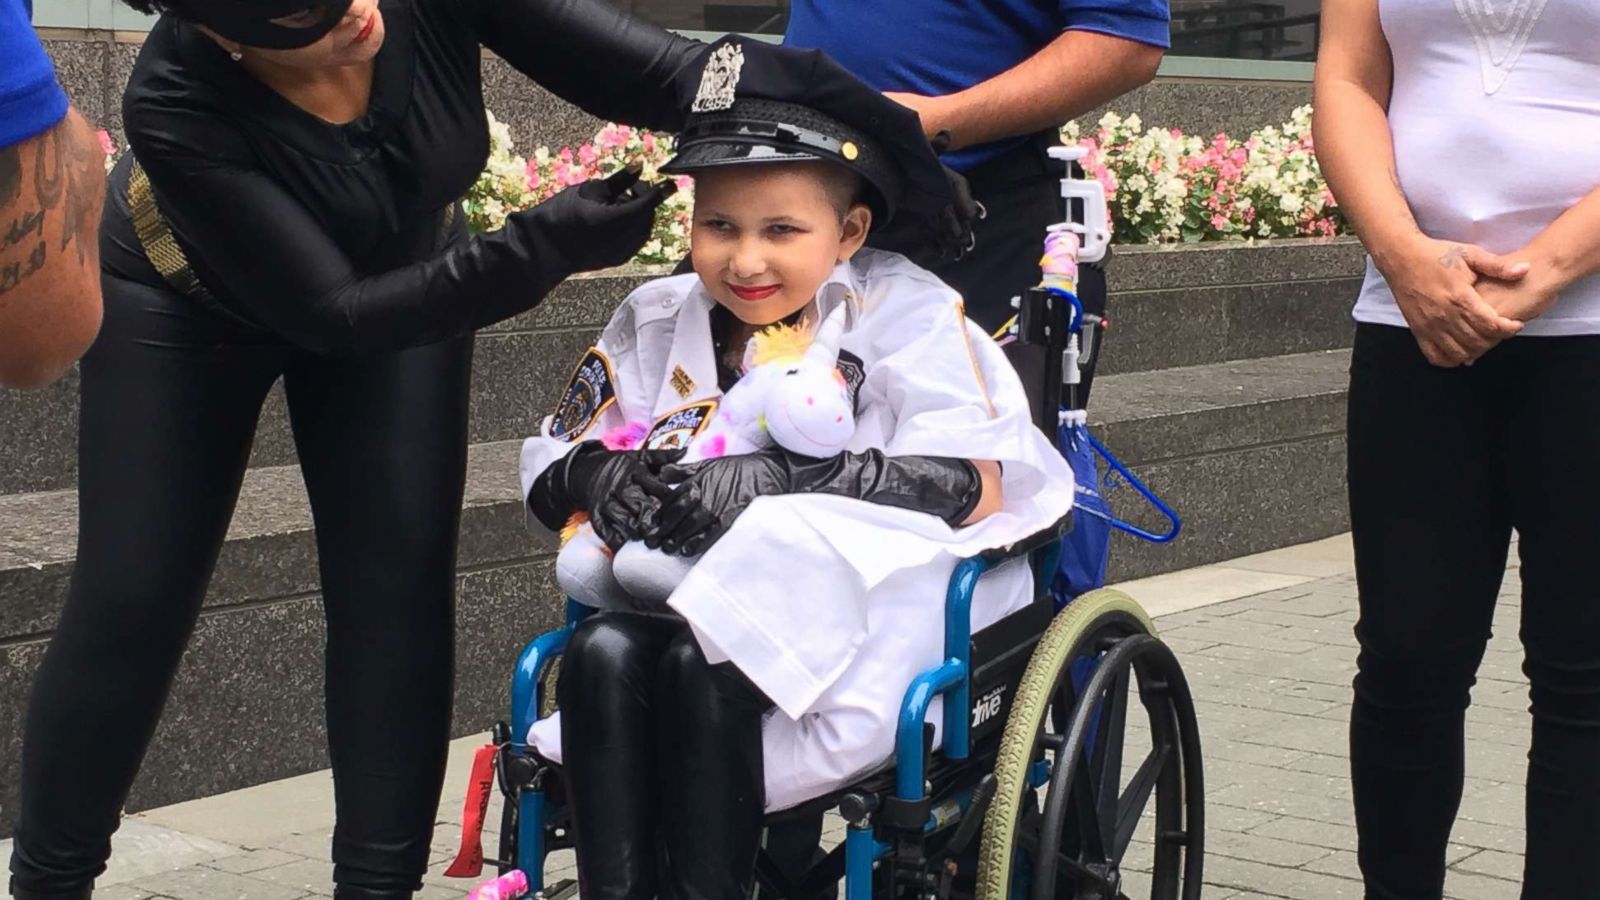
<point>160,247</point>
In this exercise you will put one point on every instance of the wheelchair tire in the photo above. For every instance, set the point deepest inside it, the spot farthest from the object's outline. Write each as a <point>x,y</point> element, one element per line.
<point>1021,842</point>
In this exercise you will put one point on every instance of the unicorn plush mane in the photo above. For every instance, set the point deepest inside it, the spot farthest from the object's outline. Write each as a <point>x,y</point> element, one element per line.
<point>778,343</point>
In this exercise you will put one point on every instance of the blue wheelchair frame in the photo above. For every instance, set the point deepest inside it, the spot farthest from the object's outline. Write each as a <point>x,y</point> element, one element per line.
<point>952,679</point>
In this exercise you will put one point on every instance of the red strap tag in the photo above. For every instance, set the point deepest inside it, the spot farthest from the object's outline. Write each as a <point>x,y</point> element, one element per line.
<point>469,859</point>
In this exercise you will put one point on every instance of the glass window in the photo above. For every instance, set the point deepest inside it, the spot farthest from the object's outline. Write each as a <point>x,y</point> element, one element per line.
<point>1246,29</point>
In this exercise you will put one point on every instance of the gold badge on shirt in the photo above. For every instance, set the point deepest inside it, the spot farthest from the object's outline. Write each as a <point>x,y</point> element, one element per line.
<point>681,382</point>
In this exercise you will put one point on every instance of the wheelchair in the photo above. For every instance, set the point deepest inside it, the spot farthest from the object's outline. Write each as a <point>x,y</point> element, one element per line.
<point>1029,794</point>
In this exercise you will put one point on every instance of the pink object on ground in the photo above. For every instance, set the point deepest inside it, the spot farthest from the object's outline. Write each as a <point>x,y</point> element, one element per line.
<point>509,886</point>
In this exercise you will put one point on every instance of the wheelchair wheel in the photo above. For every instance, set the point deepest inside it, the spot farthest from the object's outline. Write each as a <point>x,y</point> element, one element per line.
<point>1071,710</point>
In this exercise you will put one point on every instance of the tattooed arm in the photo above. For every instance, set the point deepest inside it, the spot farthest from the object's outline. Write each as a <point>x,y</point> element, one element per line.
<point>1434,282</point>
<point>51,190</point>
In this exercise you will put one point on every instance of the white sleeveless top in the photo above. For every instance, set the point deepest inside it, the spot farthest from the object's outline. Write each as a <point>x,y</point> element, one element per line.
<point>1496,121</point>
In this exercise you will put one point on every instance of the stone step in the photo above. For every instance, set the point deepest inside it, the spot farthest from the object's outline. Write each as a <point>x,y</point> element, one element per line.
<point>1249,452</point>
<point>1173,306</point>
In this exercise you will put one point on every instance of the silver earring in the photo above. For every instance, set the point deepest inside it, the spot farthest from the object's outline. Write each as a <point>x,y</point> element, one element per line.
<point>236,56</point>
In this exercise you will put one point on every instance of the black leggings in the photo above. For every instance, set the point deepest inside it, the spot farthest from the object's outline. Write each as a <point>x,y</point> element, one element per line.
<point>1444,463</point>
<point>170,397</point>
<point>662,754</point>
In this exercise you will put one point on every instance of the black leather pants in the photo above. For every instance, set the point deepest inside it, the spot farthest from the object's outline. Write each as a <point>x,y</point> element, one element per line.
<point>663,761</point>
<point>170,397</point>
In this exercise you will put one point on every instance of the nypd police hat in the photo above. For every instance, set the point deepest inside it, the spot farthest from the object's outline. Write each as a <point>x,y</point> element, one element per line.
<point>760,103</point>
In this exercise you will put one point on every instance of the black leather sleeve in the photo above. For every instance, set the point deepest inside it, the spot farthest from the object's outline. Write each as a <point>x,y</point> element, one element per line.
<point>944,487</point>
<point>596,56</point>
<point>264,255</point>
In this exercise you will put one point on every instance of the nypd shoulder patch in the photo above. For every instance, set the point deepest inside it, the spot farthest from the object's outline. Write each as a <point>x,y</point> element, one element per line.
<point>592,389</point>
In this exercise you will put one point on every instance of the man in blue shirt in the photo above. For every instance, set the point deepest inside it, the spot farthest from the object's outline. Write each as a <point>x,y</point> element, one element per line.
<point>1000,76</point>
<point>52,185</point>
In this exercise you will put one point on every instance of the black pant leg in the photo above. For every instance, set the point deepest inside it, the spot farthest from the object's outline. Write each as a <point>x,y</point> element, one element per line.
<point>610,748</point>
<point>1555,493</point>
<point>712,774</point>
<point>168,404</point>
<point>382,443</point>
<point>1431,521</point>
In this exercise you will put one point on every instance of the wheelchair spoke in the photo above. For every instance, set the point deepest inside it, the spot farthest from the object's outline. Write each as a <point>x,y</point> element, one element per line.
<point>1106,763</point>
<point>1085,811</point>
<point>1136,797</point>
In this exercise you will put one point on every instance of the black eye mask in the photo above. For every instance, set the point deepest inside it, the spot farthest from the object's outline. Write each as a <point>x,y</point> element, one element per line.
<point>250,21</point>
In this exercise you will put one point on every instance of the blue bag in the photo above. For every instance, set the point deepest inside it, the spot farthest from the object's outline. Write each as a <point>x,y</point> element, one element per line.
<point>1086,549</point>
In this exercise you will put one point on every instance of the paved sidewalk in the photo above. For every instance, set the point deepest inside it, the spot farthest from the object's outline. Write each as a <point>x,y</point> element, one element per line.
<point>1266,643</point>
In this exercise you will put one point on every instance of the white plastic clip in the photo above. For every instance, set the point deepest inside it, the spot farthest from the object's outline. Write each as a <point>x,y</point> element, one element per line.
<point>1094,232</point>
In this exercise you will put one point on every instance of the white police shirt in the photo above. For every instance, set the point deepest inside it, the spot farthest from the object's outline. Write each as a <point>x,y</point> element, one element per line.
<point>831,605</point>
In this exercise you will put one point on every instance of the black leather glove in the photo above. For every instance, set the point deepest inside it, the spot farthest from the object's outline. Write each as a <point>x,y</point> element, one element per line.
<point>618,490</point>
<point>710,495</point>
<point>953,235</point>
<point>930,240</point>
<point>599,223</point>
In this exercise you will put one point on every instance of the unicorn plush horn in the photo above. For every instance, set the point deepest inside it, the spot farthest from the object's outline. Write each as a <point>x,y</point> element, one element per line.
<point>824,349</point>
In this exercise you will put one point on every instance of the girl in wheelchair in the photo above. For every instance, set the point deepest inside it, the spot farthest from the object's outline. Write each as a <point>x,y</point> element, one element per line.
<point>773,673</point>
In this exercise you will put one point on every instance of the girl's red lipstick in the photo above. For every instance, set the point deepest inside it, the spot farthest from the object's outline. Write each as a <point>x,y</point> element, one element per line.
<point>754,293</point>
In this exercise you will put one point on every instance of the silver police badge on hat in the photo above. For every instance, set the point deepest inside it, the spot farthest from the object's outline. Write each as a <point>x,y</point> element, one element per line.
<point>720,79</point>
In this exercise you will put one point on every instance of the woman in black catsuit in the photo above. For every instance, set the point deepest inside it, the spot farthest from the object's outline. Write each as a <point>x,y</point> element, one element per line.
<point>309,180</point>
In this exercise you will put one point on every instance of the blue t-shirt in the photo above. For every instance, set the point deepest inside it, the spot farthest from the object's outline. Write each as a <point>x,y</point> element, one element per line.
<point>30,99</point>
<point>937,47</point>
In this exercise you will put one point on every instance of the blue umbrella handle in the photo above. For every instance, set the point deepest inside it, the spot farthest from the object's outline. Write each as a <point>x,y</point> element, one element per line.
<point>1077,308</point>
<point>1172,517</point>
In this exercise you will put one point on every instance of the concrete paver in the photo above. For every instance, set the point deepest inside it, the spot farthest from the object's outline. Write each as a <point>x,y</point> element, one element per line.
<point>1267,647</point>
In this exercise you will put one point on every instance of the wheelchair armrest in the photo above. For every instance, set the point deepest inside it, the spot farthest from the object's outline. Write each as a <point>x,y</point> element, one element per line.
<point>527,694</point>
<point>1027,545</point>
<point>954,677</point>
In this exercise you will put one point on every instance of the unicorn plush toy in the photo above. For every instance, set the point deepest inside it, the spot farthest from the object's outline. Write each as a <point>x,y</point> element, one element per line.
<point>790,395</point>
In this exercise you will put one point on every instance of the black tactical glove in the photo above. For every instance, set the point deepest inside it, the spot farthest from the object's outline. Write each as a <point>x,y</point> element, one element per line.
<point>711,494</point>
<point>616,488</point>
<point>599,223</point>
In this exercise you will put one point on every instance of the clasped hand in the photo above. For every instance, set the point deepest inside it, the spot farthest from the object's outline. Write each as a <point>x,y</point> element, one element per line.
<point>1443,289</point>
<point>679,508</point>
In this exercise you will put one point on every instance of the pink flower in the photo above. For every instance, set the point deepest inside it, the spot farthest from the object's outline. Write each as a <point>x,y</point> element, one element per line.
<point>1155,164</point>
<point>1219,222</point>
<point>106,143</point>
<point>649,141</point>
<point>587,154</point>
<point>565,155</point>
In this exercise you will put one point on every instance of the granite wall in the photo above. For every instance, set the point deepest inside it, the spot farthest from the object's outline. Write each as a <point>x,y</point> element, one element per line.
<point>94,67</point>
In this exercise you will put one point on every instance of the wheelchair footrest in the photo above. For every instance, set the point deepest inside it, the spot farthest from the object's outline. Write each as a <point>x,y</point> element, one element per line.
<point>564,889</point>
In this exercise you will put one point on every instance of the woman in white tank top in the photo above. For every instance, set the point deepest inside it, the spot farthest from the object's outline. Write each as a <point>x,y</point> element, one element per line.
<point>1462,138</point>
